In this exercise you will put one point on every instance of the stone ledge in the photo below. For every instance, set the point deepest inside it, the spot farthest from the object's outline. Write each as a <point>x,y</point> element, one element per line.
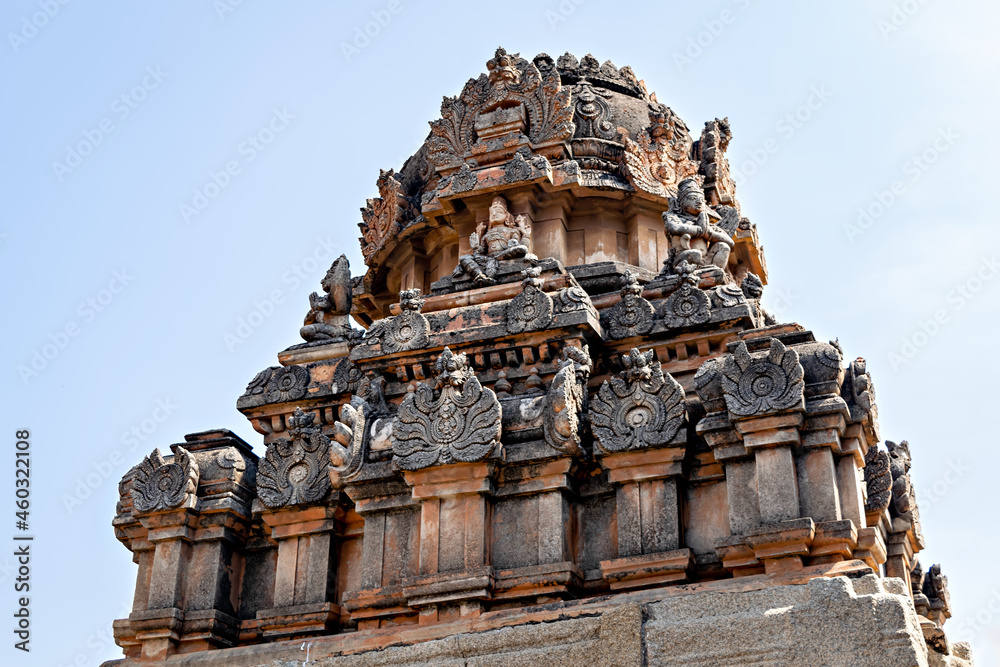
<point>840,608</point>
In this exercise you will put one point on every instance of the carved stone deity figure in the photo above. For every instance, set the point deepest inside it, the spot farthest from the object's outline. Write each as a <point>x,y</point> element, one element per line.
<point>690,228</point>
<point>327,318</point>
<point>503,236</point>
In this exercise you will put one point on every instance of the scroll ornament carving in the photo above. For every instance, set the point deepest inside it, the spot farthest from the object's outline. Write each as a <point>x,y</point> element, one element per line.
<point>878,480</point>
<point>511,81</point>
<point>294,470</point>
<point>346,377</point>
<point>530,310</point>
<point>523,166</point>
<point>573,298</point>
<point>633,315</point>
<point>659,159</point>
<point>713,164</point>
<point>458,420</point>
<point>406,331</point>
<point>903,509</point>
<point>566,401</point>
<point>758,386</point>
<point>350,442</point>
<point>687,305</point>
<point>159,486</point>
<point>384,215</point>
<point>642,408</point>
<point>592,113</point>
<point>859,392</point>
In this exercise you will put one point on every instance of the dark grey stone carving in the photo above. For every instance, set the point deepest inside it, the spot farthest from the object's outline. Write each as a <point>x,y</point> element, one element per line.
<point>159,486</point>
<point>327,319</point>
<point>406,331</point>
<point>592,113</point>
<point>566,401</point>
<point>642,408</point>
<point>456,420</point>
<point>295,470</point>
<point>878,480</point>
<point>765,384</point>
<point>633,315</point>
<point>530,310</point>
<point>753,289</point>
<point>287,383</point>
<point>350,442</point>
<point>686,306</point>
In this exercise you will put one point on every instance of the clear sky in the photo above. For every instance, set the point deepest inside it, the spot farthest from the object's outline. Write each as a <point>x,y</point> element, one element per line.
<point>865,137</point>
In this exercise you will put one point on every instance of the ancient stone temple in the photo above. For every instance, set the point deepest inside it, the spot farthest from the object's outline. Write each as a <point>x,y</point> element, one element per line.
<point>564,432</point>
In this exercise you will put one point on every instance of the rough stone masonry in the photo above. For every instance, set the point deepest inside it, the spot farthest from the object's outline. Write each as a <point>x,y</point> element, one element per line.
<point>566,431</point>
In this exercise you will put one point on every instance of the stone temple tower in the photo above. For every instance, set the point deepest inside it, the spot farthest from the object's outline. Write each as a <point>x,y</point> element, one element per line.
<point>567,434</point>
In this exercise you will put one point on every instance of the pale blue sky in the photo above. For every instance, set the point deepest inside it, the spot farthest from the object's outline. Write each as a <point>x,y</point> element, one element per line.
<point>871,89</point>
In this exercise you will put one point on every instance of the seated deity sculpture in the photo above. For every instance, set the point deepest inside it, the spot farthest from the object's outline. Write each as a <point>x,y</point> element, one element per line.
<point>503,236</point>
<point>694,238</point>
<point>327,318</point>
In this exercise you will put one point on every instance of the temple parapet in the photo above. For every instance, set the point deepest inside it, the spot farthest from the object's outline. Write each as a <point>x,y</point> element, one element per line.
<point>563,394</point>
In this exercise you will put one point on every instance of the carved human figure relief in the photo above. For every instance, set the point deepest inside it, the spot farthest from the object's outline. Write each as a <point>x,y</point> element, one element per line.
<point>641,408</point>
<point>456,420</point>
<point>502,236</point>
<point>763,384</point>
<point>159,486</point>
<point>295,469</point>
<point>692,234</point>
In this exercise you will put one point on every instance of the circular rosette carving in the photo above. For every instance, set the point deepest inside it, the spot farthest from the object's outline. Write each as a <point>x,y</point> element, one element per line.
<point>529,311</point>
<point>406,331</point>
<point>295,470</point>
<point>346,377</point>
<point>758,386</point>
<point>687,306</point>
<point>632,316</point>
<point>459,423</point>
<point>159,485</point>
<point>287,384</point>
<point>642,408</point>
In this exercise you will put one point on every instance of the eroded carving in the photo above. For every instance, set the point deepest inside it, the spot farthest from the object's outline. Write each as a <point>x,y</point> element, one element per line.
<point>693,237</point>
<point>160,486</point>
<point>350,442</point>
<point>753,289</point>
<point>761,385</point>
<point>327,319</point>
<point>294,470</point>
<point>406,331</point>
<point>657,161</point>
<point>566,401</point>
<point>710,151</point>
<point>457,420</point>
<point>878,480</point>
<point>633,315</point>
<point>502,236</point>
<point>687,305</point>
<point>287,383</point>
<point>591,112</point>
<point>384,215</point>
<point>517,89</point>
<point>532,308</point>
<point>641,408</point>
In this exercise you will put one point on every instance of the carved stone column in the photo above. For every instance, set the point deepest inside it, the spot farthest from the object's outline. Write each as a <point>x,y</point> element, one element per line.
<point>764,397</point>
<point>293,487</point>
<point>638,421</point>
<point>446,440</point>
